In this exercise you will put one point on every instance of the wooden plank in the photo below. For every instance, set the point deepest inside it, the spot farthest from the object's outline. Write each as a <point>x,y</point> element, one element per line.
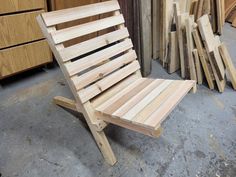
<point>24,57</point>
<point>189,29</point>
<point>67,34</point>
<point>155,104</point>
<point>206,68</point>
<point>20,5</point>
<point>179,26</point>
<point>206,9</point>
<point>13,33</point>
<point>131,103</point>
<point>119,104</point>
<point>116,89</point>
<point>93,44</point>
<point>198,67</point>
<point>66,15</point>
<point>146,100</point>
<point>65,103</point>
<point>82,64</point>
<point>228,63</point>
<point>155,28</point>
<point>102,85</point>
<point>173,61</point>
<point>102,71</point>
<point>136,86</point>
<point>200,9</point>
<point>211,45</point>
<point>146,36</point>
<point>219,16</point>
<point>161,113</point>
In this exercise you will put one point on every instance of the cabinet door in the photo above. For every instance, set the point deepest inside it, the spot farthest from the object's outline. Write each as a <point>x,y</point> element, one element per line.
<point>9,6</point>
<point>20,28</point>
<point>23,57</point>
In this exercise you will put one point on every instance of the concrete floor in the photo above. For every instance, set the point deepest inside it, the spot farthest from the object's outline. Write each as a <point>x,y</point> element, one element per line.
<point>39,139</point>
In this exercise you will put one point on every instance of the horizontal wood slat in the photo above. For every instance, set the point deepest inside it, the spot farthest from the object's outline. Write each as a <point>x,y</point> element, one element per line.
<point>146,100</point>
<point>66,15</point>
<point>93,44</point>
<point>96,58</point>
<point>152,107</point>
<point>169,104</point>
<point>67,34</point>
<point>103,70</point>
<point>102,85</point>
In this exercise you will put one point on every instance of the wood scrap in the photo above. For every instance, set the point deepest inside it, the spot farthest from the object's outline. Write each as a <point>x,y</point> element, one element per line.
<point>228,63</point>
<point>174,63</point>
<point>198,66</point>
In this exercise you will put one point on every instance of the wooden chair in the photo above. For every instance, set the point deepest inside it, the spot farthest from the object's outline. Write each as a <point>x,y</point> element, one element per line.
<point>104,75</point>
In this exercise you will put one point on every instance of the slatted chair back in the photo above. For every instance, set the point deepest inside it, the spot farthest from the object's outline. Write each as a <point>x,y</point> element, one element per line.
<point>96,64</point>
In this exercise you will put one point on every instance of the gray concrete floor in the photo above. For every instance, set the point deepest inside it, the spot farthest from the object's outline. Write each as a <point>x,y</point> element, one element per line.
<point>39,139</point>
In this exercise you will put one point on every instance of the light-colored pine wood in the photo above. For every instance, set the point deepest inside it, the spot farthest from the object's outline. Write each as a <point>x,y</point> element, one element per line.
<point>173,61</point>
<point>67,34</point>
<point>108,79</point>
<point>152,107</point>
<point>145,101</point>
<point>206,67</point>
<point>10,6</point>
<point>98,57</point>
<point>93,44</point>
<point>102,71</point>
<point>123,111</point>
<point>104,84</point>
<point>87,110</point>
<point>168,105</point>
<point>229,64</point>
<point>23,57</point>
<point>189,28</point>
<point>179,27</point>
<point>19,28</point>
<point>65,103</point>
<point>198,67</point>
<point>211,45</point>
<point>70,14</point>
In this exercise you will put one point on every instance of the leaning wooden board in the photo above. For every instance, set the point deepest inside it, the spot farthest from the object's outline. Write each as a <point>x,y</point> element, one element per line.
<point>23,57</point>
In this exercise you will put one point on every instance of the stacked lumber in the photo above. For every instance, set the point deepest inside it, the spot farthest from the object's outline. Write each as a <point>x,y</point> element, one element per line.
<point>165,15</point>
<point>230,12</point>
<point>197,51</point>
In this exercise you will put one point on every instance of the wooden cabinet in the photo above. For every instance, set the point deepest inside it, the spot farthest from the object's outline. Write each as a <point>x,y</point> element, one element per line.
<point>21,40</point>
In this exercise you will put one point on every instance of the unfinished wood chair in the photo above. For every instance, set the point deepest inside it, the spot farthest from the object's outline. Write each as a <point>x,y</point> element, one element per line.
<point>104,75</point>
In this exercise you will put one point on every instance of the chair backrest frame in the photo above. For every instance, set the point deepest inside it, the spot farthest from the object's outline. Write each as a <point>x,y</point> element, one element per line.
<point>103,61</point>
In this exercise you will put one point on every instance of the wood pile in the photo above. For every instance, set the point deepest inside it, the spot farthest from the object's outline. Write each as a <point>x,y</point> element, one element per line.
<point>194,46</point>
<point>230,12</point>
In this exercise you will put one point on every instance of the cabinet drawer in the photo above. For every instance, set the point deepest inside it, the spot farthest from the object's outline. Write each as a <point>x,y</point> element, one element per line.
<point>16,59</point>
<point>20,28</point>
<point>9,6</point>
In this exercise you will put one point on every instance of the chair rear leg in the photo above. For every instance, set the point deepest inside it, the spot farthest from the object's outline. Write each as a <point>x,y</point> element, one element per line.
<point>99,136</point>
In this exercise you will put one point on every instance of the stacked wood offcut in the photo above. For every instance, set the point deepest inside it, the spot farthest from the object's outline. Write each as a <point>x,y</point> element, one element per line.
<point>195,47</point>
<point>230,12</point>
